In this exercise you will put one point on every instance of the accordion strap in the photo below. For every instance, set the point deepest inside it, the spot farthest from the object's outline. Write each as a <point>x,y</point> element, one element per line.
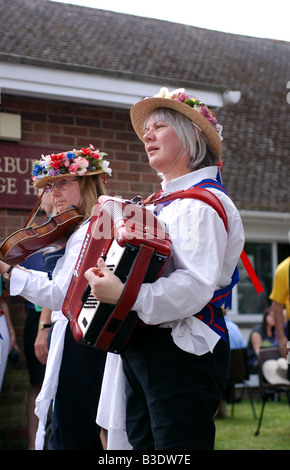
<point>134,281</point>
<point>195,193</point>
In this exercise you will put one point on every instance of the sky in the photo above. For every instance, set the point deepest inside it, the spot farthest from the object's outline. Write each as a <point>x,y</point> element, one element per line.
<point>258,18</point>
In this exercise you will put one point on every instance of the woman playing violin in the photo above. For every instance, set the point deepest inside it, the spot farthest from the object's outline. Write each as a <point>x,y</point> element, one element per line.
<point>73,372</point>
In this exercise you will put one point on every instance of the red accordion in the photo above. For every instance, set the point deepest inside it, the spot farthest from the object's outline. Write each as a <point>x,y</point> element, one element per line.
<point>136,247</point>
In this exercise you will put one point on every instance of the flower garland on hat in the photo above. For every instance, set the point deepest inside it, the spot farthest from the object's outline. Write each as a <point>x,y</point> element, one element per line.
<point>74,162</point>
<point>180,95</point>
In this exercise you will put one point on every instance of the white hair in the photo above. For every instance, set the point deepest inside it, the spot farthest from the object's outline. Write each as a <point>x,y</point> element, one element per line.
<point>190,137</point>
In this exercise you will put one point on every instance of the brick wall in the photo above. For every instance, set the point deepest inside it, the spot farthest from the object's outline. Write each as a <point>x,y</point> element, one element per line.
<point>64,126</point>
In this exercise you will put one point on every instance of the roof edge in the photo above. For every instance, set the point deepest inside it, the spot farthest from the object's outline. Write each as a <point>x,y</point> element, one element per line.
<point>164,81</point>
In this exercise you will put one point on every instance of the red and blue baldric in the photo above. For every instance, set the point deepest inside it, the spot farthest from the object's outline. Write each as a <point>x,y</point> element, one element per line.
<point>221,297</point>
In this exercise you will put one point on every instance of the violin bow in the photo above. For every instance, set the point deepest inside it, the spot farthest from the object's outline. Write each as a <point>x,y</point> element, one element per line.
<point>35,209</point>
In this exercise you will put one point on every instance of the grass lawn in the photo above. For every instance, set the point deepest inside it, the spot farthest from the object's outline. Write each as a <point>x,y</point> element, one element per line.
<point>237,433</point>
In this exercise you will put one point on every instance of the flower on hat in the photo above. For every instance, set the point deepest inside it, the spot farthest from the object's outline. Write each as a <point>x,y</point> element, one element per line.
<point>180,95</point>
<point>73,162</point>
<point>79,166</point>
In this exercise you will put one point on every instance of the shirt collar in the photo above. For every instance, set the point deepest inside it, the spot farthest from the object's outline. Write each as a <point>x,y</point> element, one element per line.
<point>188,180</point>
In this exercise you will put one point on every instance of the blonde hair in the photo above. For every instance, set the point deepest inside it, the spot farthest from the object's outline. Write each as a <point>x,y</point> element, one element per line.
<point>91,188</point>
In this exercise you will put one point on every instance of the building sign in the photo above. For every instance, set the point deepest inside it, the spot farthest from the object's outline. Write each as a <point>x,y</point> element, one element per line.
<point>16,161</point>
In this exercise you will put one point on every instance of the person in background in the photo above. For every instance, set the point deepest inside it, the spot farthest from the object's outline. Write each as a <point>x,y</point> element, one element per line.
<point>8,342</point>
<point>281,302</point>
<point>280,297</point>
<point>261,336</point>
<point>176,368</point>
<point>49,261</point>
<point>35,368</point>
<point>36,327</point>
<point>74,373</point>
<point>236,338</point>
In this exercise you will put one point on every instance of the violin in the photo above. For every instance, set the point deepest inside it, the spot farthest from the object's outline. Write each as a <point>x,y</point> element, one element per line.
<point>33,238</point>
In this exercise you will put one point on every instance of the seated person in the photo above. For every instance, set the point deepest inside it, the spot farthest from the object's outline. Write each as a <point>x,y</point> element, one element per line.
<point>262,336</point>
<point>235,336</point>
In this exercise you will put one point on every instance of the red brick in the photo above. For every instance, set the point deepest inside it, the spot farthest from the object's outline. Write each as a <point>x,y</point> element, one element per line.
<point>127,176</point>
<point>62,140</point>
<point>60,119</point>
<point>76,131</point>
<point>32,116</point>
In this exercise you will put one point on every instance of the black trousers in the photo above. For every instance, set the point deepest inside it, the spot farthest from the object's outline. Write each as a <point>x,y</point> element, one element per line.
<point>73,418</point>
<point>36,370</point>
<point>171,395</point>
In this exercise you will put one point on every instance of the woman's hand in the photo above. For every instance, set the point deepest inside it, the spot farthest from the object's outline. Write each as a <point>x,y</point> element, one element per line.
<point>105,285</point>
<point>40,345</point>
<point>3,267</point>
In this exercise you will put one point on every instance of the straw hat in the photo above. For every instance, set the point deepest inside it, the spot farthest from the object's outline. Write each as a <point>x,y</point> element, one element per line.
<point>83,162</point>
<point>275,371</point>
<point>190,107</point>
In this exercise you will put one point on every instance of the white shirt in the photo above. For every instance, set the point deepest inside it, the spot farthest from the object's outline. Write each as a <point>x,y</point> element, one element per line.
<point>203,260</point>
<point>36,287</point>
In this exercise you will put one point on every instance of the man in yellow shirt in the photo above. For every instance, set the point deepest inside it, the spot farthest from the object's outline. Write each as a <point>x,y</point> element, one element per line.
<point>280,300</point>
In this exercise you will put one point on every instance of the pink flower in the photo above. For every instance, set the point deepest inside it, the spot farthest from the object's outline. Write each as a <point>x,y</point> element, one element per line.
<point>180,96</point>
<point>79,166</point>
<point>206,113</point>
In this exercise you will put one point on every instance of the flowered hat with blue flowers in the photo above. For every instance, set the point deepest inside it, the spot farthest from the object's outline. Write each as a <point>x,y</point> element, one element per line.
<point>83,162</point>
